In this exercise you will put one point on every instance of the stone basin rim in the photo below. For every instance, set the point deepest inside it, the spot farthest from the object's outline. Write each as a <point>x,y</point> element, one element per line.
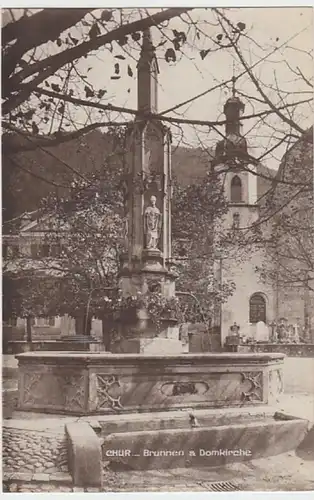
<point>97,356</point>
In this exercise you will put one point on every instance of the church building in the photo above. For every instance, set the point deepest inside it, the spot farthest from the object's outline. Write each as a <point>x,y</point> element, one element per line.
<point>257,304</point>
<point>252,302</point>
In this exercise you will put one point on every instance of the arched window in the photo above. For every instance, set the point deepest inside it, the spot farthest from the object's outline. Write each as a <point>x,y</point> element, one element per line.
<point>236,189</point>
<point>257,308</point>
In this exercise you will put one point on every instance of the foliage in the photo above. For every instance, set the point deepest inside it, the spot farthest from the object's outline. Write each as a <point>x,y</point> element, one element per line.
<point>85,229</point>
<point>28,295</point>
<point>198,238</point>
<point>156,305</point>
<point>290,239</point>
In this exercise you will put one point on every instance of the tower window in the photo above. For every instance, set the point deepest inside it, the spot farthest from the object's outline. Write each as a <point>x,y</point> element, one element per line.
<point>236,189</point>
<point>257,308</point>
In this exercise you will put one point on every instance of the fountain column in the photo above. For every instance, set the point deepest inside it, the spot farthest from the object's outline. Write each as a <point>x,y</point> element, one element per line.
<point>147,189</point>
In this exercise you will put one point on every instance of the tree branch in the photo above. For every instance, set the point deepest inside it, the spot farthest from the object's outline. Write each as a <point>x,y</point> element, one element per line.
<point>290,122</point>
<point>35,30</point>
<point>52,63</point>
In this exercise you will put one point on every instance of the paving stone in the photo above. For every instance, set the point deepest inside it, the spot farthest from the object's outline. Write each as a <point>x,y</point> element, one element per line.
<point>22,476</point>
<point>60,477</point>
<point>7,475</point>
<point>40,477</point>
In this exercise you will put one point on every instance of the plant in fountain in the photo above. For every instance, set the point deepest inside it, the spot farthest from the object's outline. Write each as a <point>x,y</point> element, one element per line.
<point>160,309</point>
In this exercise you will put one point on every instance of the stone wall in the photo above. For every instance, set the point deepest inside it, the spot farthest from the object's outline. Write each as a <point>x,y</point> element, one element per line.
<point>247,281</point>
<point>17,347</point>
<point>64,326</point>
<point>291,350</point>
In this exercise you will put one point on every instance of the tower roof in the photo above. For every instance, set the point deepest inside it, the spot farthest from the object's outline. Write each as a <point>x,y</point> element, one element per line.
<point>233,103</point>
<point>234,145</point>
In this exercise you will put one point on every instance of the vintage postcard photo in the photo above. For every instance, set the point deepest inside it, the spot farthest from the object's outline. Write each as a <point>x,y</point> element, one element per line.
<point>157,249</point>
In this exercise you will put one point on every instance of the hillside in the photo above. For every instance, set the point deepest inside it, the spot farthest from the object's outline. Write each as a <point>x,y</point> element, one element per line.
<point>23,184</point>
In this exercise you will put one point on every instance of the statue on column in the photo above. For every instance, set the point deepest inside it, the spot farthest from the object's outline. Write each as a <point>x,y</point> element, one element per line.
<point>152,225</point>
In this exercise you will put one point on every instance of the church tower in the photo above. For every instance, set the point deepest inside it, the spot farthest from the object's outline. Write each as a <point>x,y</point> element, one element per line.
<point>232,158</point>
<point>250,303</point>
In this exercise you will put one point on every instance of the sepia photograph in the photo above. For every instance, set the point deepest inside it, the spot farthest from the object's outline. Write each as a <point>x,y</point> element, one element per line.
<point>157,249</point>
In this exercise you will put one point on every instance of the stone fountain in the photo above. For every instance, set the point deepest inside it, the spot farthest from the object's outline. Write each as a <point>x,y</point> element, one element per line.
<point>149,392</point>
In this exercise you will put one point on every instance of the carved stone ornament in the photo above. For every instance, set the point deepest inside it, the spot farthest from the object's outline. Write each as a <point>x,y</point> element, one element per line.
<point>107,392</point>
<point>152,225</point>
<point>44,389</point>
<point>32,389</point>
<point>184,388</point>
<point>154,180</point>
<point>255,390</point>
<point>74,391</point>
<point>275,384</point>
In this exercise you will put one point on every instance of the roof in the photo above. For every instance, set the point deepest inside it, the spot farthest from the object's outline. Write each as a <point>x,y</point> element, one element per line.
<point>264,180</point>
<point>307,137</point>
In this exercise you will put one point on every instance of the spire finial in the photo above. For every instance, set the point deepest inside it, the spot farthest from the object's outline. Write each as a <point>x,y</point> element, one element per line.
<point>147,75</point>
<point>147,45</point>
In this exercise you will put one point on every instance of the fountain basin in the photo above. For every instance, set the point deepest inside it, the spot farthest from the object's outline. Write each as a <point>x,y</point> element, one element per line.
<point>216,441</point>
<point>81,383</point>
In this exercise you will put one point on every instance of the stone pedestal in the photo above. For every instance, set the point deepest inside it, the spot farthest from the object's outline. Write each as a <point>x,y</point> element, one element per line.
<point>143,336</point>
<point>140,334</point>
